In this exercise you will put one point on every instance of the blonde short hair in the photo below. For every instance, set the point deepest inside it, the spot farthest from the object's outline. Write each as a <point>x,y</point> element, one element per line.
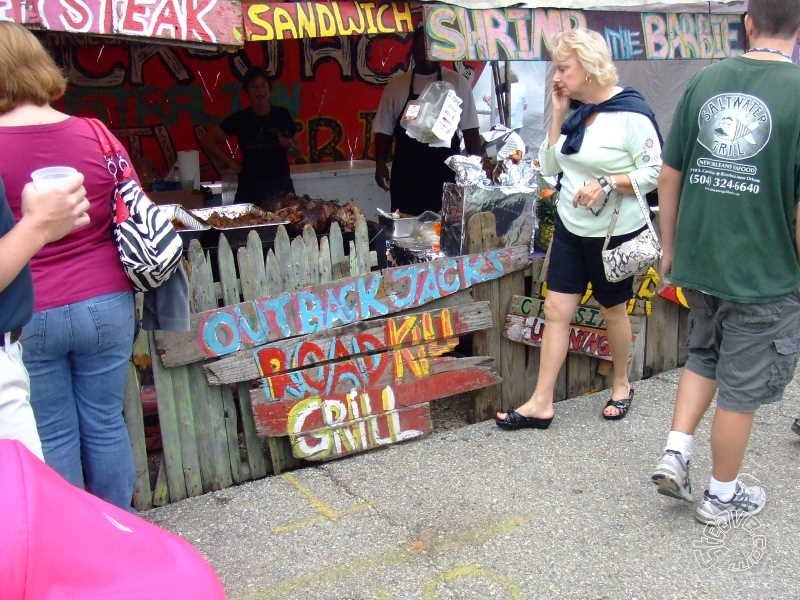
<point>28,74</point>
<point>590,49</point>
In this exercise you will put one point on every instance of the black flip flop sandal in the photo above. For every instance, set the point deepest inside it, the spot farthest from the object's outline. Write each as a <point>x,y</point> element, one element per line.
<point>514,421</point>
<point>621,405</point>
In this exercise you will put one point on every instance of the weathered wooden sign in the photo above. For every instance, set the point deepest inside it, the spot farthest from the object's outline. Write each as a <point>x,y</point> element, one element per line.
<point>355,372</point>
<point>349,365</point>
<point>198,21</point>
<point>457,33</point>
<point>351,391</point>
<point>362,434</point>
<point>226,330</point>
<point>296,20</point>
<point>365,337</point>
<point>354,400</point>
<point>525,323</point>
<point>440,377</point>
<point>585,316</point>
<point>333,425</point>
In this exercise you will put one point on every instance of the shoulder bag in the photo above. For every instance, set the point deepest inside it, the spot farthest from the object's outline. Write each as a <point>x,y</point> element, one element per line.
<point>635,255</point>
<point>149,247</point>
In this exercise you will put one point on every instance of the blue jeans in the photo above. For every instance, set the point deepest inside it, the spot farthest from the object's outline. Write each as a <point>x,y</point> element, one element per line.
<point>77,358</point>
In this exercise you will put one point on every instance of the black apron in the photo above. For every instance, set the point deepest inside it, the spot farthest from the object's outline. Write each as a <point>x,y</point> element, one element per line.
<point>418,171</point>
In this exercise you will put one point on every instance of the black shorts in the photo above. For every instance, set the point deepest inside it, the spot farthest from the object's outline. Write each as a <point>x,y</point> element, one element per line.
<point>575,261</point>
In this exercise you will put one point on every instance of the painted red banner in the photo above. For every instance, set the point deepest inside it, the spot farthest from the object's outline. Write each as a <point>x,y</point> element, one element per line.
<point>297,20</point>
<point>159,99</point>
<point>197,21</point>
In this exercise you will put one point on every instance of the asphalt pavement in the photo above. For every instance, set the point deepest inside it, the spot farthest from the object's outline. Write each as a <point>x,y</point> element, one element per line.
<point>476,513</point>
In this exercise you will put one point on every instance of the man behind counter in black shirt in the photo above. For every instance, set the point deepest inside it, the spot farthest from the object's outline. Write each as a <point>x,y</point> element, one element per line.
<point>265,136</point>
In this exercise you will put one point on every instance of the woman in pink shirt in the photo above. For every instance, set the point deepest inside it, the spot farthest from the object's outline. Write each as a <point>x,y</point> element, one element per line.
<point>77,346</point>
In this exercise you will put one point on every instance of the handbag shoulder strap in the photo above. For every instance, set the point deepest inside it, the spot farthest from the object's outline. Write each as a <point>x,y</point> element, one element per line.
<point>117,164</point>
<point>642,205</point>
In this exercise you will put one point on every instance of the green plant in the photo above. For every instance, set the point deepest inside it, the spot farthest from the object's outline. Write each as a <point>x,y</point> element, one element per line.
<point>546,215</point>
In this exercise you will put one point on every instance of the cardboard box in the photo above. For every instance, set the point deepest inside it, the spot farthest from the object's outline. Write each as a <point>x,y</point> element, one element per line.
<point>186,198</point>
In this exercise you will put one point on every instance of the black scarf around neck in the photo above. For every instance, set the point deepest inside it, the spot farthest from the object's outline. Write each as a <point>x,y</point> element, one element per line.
<point>628,100</point>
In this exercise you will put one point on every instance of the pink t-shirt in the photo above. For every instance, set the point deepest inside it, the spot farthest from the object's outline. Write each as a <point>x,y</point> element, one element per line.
<point>85,263</point>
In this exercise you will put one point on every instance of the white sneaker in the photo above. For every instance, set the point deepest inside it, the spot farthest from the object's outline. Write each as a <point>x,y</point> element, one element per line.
<point>748,500</point>
<point>671,476</point>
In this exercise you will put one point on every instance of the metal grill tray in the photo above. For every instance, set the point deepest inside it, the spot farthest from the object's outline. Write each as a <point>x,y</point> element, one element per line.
<point>235,210</point>
<point>191,222</point>
<point>194,228</point>
<point>237,236</point>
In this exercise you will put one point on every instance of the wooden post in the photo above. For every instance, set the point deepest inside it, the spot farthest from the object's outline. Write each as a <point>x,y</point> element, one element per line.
<point>212,437</point>
<point>662,341</point>
<point>231,294</point>
<point>188,436</point>
<point>134,420</point>
<point>482,235</point>
<point>170,430</point>
<point>254,285</point>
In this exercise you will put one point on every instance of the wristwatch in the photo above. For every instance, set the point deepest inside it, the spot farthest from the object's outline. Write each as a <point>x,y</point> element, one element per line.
<point>605,185</point>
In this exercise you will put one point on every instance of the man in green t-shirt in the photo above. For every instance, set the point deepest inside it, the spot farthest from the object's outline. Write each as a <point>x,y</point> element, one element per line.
<point>728,196</point>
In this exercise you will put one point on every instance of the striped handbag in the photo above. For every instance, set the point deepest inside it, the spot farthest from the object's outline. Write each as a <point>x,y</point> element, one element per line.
<point>149,247</point>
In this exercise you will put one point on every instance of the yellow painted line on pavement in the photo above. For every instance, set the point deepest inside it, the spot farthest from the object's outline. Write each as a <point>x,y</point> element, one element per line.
<point>315,502</point>
<point>402,555</point>
<point>299,524</point>
<point>473,572</point>
<point>327,513</point>
<point>355,508</point>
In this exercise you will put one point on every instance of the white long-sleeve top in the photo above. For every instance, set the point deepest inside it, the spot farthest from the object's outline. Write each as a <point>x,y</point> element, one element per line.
<point>615,143</point>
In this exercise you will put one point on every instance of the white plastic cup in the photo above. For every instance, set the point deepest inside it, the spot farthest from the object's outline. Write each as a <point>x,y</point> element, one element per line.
<point>49,178</point>
<point>230,184</point>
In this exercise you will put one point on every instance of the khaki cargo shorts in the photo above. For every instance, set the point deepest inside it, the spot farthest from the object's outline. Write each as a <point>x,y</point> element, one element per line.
<point>750,350</point>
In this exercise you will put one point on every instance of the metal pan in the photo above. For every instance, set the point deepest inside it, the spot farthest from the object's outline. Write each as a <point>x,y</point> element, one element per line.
<point>237,235</point>
<point>396,226</point>
<point>188,226</point>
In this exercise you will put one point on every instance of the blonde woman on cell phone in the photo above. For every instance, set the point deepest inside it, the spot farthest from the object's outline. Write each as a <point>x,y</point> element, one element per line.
<point>601,136</point>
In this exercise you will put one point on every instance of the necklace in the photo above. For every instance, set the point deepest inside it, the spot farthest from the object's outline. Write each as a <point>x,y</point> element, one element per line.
<point>785,55</point>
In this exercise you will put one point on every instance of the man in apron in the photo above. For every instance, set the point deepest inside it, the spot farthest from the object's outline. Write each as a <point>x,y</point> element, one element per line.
<point>418,170</point>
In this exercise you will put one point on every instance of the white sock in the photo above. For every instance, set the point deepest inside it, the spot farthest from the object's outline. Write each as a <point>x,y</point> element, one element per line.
<point>682,442</point>
<point>724,490</point>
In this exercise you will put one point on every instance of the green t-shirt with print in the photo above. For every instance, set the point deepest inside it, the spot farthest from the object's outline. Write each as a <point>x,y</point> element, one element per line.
<point>736,139</point>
